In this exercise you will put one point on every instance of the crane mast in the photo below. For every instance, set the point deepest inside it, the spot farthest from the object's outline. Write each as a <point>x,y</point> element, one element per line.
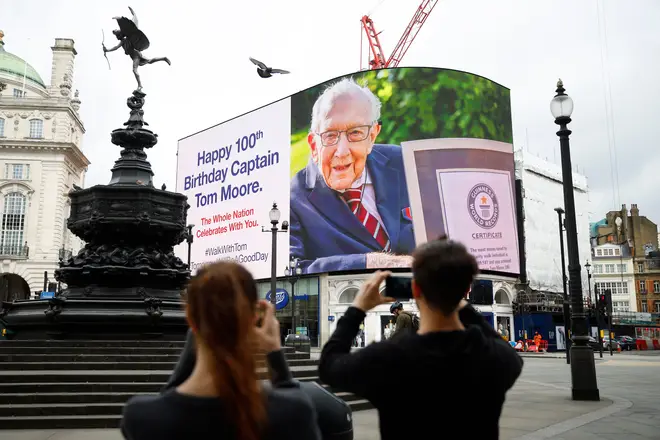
<point>378,59</point>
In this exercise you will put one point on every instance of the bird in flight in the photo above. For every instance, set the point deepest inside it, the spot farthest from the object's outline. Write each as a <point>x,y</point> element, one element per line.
<point>265,71</point>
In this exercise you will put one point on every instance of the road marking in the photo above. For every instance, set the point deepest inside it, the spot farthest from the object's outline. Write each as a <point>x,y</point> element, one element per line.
<point>618,404</point>
<point>625,363</point>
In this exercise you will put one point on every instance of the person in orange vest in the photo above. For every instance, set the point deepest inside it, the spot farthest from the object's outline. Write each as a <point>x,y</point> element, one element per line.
<point>537,339</point>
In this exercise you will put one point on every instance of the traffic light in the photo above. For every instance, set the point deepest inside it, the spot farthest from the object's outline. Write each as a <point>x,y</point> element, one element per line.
<point>605,302</point>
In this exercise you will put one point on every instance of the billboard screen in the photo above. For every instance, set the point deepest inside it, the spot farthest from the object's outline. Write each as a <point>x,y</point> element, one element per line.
<point>363,167</point>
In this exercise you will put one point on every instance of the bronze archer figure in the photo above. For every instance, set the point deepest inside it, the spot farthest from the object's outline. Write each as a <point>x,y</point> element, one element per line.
<point>133,41</point>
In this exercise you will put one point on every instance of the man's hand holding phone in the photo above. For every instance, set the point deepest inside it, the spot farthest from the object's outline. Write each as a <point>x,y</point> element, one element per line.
<point>369,296</point>
<point>267,331</point>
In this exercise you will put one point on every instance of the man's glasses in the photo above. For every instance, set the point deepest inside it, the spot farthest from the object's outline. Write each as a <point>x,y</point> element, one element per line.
<point>355,134</point>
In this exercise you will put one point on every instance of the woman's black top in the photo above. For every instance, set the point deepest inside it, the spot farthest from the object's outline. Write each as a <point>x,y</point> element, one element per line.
<point>175,416</point>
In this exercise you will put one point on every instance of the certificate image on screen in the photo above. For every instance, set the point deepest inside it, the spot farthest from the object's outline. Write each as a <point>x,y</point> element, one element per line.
<point>464,189</point>
<point>478,210</point>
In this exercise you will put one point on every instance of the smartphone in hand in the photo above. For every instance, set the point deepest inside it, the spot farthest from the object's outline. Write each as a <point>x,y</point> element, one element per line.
<point>398,287</point>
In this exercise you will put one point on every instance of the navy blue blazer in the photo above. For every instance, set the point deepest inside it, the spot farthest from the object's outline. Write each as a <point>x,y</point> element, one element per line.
<point>326,236</point>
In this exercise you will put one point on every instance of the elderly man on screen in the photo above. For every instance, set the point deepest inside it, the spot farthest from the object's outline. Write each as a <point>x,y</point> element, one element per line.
<point>349,205</point>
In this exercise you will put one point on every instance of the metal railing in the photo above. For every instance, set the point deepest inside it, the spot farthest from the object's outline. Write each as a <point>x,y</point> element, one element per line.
<point>14,251</point>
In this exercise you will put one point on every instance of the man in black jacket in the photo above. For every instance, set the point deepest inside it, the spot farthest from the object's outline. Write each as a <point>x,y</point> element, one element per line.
<point>455,371</point>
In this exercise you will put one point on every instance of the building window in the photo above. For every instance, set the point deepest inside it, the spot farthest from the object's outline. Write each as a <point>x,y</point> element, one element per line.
<point>623,268</point>
<point>2,127</point>
<point>36,128</point>
<point>609,268</point>
<point>656,286</point>
<point>645,307</point>
<point>18,93</point>
<point>348,295</point>
<point>598,268</point>
<point>13,224</point>
<point>656,306</point>
<point>617,252</point>
<point>640,267</point>
<point>599,252</point>
<point>616,288</point>
<point>17,171</point>
<point>642,286</point>
<point>621,306</point>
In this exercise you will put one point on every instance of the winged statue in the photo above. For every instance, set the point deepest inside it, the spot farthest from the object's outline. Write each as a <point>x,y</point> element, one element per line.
<point>133,41</point>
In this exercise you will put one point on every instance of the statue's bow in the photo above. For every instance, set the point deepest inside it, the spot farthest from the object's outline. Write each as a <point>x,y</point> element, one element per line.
<point>104,51</point>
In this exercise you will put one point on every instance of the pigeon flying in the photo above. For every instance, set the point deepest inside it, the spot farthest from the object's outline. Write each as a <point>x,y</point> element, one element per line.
<point>265,71</point>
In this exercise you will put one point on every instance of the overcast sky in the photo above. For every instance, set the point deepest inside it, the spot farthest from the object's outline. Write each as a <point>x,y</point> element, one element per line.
<point>600,48</point>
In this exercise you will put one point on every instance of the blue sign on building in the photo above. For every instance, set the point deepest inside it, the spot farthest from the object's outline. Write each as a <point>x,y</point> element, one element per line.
<point>281,298</point>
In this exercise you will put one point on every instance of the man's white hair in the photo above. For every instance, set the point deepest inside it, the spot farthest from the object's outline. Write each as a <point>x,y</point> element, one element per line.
<point>343,87</point>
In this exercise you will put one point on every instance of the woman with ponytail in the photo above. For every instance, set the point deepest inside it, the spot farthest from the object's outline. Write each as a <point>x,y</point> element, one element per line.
<point>215,392</point>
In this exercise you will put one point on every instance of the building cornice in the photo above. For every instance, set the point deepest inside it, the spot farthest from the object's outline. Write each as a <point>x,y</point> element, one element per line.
<point>43,105</point>
<point>70,149</point>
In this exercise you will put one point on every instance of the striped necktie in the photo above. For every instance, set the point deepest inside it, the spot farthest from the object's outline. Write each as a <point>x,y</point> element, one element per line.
<point>353,198</point>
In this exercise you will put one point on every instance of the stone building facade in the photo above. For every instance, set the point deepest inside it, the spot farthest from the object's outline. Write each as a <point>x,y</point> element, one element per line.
<point>41,160</point>
<point>613,270</point>
<point>640,236</point>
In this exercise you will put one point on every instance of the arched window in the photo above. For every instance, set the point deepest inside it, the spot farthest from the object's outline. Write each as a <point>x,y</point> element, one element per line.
<point>12,234</point>
<point>348,295</point>
<point>2,127</point>
<point>502,298</point>
<point>36,128</point>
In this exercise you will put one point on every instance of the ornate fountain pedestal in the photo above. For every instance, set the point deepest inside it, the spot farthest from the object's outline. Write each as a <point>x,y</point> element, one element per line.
<point>126,282</point>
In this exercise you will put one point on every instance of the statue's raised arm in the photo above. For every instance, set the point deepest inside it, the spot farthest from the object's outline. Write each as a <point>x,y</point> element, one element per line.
<point>134,41</point>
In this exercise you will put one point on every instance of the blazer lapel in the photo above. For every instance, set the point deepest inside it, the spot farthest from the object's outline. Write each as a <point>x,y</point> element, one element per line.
<point>334,209</point>
<point>387,183</point>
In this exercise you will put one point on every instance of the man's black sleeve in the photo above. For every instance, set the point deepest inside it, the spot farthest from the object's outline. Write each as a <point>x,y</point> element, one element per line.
<point>362,372</point>
<point>507,361</point>
<point>279,370</point>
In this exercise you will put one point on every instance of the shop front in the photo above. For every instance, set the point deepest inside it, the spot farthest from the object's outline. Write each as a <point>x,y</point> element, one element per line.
<point>341,291</point>
<point>297,304</point>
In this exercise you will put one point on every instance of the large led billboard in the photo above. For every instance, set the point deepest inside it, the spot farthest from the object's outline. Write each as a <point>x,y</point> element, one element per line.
<point>363,167</point>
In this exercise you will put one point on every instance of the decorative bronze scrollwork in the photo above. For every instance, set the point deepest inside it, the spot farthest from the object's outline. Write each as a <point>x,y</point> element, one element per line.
<point>152,307</point>
<point>55,306</point>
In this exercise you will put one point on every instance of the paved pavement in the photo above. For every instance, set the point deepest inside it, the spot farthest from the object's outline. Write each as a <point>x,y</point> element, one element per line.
<point>538,407</point>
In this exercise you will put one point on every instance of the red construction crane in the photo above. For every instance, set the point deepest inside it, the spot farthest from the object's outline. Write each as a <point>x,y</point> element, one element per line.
<point>379,61</point>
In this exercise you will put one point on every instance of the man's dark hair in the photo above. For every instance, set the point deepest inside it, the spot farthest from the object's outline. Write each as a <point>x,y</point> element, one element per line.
<point>444,270</point>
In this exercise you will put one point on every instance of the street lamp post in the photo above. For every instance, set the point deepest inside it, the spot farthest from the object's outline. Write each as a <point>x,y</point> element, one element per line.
<point>274,216</point>
<point>619,222</point>
<point>583,368</point>
<point>293,272</point>
<point>189,239</point>
<point>596,314</point>
<point>567,305</point>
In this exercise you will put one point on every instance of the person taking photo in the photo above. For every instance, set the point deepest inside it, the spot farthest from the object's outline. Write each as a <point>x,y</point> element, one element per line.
<point>215,390</point>
<point>450,378</point>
